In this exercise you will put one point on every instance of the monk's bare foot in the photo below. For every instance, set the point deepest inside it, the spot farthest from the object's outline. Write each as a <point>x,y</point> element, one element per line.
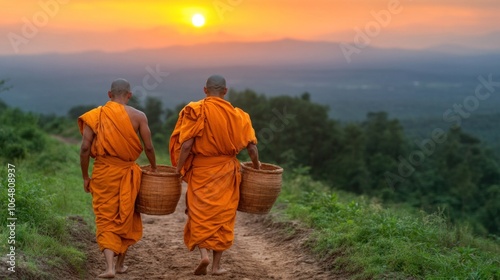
<point>121,270</point>
<point>107,274</point>
<point>202,267</point>
<point>219,271</point>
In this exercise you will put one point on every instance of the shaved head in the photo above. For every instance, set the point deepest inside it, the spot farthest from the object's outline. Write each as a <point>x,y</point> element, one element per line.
<point>216,84</point>
<point>119,87</point>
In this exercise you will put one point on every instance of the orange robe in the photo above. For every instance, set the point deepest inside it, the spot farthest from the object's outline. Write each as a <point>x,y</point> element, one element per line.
<point>116,178</point>
<point>212,170</point>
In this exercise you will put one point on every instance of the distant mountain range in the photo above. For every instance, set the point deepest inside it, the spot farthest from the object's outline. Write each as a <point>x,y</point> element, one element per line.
<point>406,83</point>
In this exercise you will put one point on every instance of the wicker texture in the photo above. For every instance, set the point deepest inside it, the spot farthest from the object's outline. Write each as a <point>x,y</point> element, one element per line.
<point>160,192</point>
<point>259,189</point>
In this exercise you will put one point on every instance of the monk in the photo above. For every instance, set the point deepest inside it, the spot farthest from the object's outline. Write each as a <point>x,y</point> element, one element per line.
<point>207,137</point>
<point>111,136</point>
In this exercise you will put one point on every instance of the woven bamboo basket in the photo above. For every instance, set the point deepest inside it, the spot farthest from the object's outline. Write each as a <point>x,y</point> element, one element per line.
<point>160,192</point>
<point>259,189</point>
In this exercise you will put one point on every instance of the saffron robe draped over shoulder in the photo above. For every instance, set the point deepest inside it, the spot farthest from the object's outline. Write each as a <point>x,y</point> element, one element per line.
<point>212,171</point>
<point>116,178</point>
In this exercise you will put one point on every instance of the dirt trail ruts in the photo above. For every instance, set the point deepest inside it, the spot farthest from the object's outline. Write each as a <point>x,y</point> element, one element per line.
<point>258,252</point>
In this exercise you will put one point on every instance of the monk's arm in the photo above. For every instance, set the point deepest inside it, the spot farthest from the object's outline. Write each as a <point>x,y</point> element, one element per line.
<point>87,138</point>
<point>185,150</point>
<point>148,143</point>
<point>253,152</point>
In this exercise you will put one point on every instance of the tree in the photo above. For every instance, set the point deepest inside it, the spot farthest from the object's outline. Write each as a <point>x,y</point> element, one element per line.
<point>256,105</point>
<point>385,143</point>
<point>19,134</point>
<point>347,168</point>
<point>385,136</point>
<point>291,131</point>
<point>172,115</point>
<point>154,111</point>
<point>458,175</point>
<point>3,105</point>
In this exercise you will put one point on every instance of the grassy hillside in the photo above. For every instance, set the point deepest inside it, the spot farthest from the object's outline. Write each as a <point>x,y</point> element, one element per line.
<point>50,205</point>
<point>372,242</point>
<point>48,194</point>
<point>352,233</point>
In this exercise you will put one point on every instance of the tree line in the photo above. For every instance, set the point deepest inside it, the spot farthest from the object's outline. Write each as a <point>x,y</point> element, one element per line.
<point>454,172</point>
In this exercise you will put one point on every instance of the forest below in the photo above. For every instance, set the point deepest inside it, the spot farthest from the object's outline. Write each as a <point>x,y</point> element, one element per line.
<point>451,172</point>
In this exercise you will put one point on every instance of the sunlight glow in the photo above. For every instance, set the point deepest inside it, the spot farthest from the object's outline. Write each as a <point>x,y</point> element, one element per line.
<point>198,20</point>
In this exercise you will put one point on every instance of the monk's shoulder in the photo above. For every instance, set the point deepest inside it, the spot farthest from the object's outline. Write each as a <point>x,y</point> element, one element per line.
<point>192,110</point>
<point>242,113</point>
<point>194,105</point>
<point>135,113</point>
<point>90,117</point>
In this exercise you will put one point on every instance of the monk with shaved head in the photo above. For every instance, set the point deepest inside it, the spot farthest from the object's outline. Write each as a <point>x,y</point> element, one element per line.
<point>207,137</point>
<point>111,136</point>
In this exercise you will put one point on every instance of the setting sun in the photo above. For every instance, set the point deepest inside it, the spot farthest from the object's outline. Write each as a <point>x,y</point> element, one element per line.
<point>198,20</point>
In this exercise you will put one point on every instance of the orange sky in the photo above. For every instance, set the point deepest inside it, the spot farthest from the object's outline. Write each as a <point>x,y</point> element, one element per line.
<point>78,25</point>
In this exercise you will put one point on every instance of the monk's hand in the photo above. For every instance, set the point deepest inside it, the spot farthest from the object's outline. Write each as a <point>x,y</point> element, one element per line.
<point>86,184</point>
<point>178,172</point>
<point>258,166</point>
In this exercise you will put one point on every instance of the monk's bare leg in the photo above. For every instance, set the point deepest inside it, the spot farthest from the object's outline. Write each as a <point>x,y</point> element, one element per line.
<point>110,269</point>
<point>204,262</point>
<point>119,267</point>
<point>216,267</point>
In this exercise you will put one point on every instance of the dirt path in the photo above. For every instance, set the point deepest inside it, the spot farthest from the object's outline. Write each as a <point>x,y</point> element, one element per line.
<point>258,253</point>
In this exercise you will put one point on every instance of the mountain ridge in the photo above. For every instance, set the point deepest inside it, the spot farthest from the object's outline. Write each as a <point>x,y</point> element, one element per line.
<point>387,77</point>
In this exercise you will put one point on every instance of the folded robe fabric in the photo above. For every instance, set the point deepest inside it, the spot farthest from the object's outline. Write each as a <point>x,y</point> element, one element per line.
<point>116,178</point>
<point>212,171</point>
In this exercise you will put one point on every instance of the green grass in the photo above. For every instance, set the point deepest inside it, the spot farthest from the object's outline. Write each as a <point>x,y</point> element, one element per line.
<point>353,233</point>
<point>48,190</point>
<point>369,241</point>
